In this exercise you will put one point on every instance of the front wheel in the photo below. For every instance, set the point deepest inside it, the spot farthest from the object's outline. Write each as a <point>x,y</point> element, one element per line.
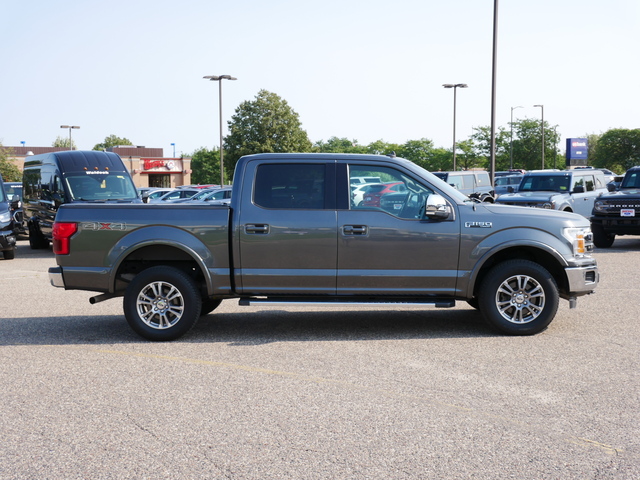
<point>162,303</point>
<point>601,239</point>
<point>519,297</point>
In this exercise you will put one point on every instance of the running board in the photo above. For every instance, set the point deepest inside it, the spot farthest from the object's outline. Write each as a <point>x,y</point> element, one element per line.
<point>332,302</point>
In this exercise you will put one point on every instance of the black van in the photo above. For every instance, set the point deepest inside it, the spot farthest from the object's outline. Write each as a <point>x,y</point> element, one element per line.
<point>52,179</point>
<point>7,235</point>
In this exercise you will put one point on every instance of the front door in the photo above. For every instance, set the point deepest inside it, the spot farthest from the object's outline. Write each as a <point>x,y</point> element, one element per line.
<point>391,249</point>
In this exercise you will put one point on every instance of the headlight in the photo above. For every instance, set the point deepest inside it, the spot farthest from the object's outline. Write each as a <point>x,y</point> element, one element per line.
<point>5,217</point>
<point>599,206</point>
<point>548,205</point>
<point>579,238</point>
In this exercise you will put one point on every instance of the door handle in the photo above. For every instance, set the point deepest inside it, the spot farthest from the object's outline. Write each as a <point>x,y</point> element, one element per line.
<point>256,229</point>
<point>355,229</point>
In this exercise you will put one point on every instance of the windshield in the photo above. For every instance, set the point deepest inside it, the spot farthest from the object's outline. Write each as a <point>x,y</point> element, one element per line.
<point>631,180</point>
<point>545,183</point>
<point>100,188</point>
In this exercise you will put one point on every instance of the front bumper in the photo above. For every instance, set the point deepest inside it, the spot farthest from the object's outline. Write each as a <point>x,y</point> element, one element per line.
<point>55,277</point>
<point>582,280</point>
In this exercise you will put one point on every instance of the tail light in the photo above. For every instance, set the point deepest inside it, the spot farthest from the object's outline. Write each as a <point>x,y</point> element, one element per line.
<point>62,233</point>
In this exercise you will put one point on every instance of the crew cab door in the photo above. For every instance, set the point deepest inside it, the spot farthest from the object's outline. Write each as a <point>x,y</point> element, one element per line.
<point>287,229</point>
<point>583,201</point>
<point>392,249</point>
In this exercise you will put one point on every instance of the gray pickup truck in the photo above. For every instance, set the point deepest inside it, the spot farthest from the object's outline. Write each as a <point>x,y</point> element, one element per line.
<point>293,235</point>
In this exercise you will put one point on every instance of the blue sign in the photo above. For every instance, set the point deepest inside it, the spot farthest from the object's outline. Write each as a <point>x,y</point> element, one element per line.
<point>577,149</point>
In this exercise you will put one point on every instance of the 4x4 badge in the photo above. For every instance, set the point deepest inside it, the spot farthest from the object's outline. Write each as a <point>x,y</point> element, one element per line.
<point>103,226</point>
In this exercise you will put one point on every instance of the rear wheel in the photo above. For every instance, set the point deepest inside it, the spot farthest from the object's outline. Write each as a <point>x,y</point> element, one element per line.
<point>37,240</point>
<point>601,239</point>
<point>519,297</point>
<point>162,303</point>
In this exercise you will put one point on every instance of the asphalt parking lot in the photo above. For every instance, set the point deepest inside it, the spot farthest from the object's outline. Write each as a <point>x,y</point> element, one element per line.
<point>300,393</point>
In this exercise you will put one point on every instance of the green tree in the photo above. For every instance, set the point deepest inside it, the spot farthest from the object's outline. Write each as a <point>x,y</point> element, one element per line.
<point>63,142</point>
<point>205,165</point>
<point>380,147</point>
<point>338,145</point>
<point>265,125</point>
<point>618,149</point>
<point>112,141</point>
<point>481,141</point>
<point>9,170</point>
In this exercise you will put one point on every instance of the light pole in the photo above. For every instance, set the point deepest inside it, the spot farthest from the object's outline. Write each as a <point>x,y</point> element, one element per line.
<point>542,130</point>
<point>219,78</point>
<point>69,127</point>
<point>455,87</point>
<point>511,141</point>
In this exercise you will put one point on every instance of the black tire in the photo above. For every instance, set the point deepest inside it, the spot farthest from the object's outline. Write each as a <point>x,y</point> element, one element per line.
<point>37,240</point>
<point>9,254</point>
<point>209,305</point>
<point>473,303</point>
<point>162,303</point>
<point>600,238</point>
<point>519,297</point>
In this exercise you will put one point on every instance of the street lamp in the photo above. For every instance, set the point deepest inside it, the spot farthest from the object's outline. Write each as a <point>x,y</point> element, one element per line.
<point>542,130</point>
<point>69,127</point>
<point>219,78</point>
<point>455,86</point>
<point>511,141</point>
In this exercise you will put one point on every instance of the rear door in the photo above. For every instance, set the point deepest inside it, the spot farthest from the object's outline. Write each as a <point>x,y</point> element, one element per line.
<point>393,250</point>
<point>287,229</point>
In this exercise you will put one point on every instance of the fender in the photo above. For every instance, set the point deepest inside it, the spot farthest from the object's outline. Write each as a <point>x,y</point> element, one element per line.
<point>172,237</point>
<point>510,238</point>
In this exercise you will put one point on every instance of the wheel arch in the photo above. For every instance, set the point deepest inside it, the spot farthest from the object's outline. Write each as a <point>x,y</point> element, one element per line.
<point>541,254</point>
<point>147,248</point>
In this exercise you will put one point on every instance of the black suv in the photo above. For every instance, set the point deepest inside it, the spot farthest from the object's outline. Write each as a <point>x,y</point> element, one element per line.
<point>618,212</point>
<point>7,235</point>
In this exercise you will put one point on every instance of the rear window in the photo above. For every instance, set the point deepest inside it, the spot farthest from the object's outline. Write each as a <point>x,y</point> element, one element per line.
<point>290,186</point>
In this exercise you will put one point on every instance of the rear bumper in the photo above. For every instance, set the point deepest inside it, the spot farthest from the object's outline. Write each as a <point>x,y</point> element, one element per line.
<point>55,277</point>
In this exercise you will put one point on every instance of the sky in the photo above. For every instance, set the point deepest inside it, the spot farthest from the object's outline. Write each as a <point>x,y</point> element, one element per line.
<point>363,70</point>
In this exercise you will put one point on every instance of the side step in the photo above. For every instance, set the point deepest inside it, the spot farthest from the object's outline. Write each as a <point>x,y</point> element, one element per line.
<point>350,301</point>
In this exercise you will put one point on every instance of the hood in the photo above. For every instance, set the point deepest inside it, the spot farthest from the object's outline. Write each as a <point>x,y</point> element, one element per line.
<point>533,214</point>
<point>542,196</point>
<point>634,192</point>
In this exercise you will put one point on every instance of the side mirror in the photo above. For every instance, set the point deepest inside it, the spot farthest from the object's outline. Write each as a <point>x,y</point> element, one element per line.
<point>436,207</point>
<point>611,187</point>
<point>578,189</point>
<point>510,189</point>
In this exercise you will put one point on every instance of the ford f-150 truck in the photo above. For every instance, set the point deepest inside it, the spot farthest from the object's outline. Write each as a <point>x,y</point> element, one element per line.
<point>293,235</point>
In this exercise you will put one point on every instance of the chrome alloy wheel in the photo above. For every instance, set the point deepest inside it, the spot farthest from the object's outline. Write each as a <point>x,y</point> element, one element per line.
<point>160,305</point>
<point>520,299</point>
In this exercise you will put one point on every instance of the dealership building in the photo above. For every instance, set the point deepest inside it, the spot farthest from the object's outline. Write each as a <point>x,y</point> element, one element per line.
<point>148,166</point>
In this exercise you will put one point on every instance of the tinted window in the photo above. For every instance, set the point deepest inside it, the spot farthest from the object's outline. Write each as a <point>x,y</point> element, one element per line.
<point>290,186</point>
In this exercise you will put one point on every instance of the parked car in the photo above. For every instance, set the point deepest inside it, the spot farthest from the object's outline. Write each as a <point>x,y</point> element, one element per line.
<point>7,235</point>
<point>568,190</point>
<point>507,184</point>
<point>13,191</point>
<point>474,184</point>
<point>175,195</point>
<point>617,212</point>
<point>375,191</point>
<point>358,191</point>
<point>219,196</point>
<point>152,193</point>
